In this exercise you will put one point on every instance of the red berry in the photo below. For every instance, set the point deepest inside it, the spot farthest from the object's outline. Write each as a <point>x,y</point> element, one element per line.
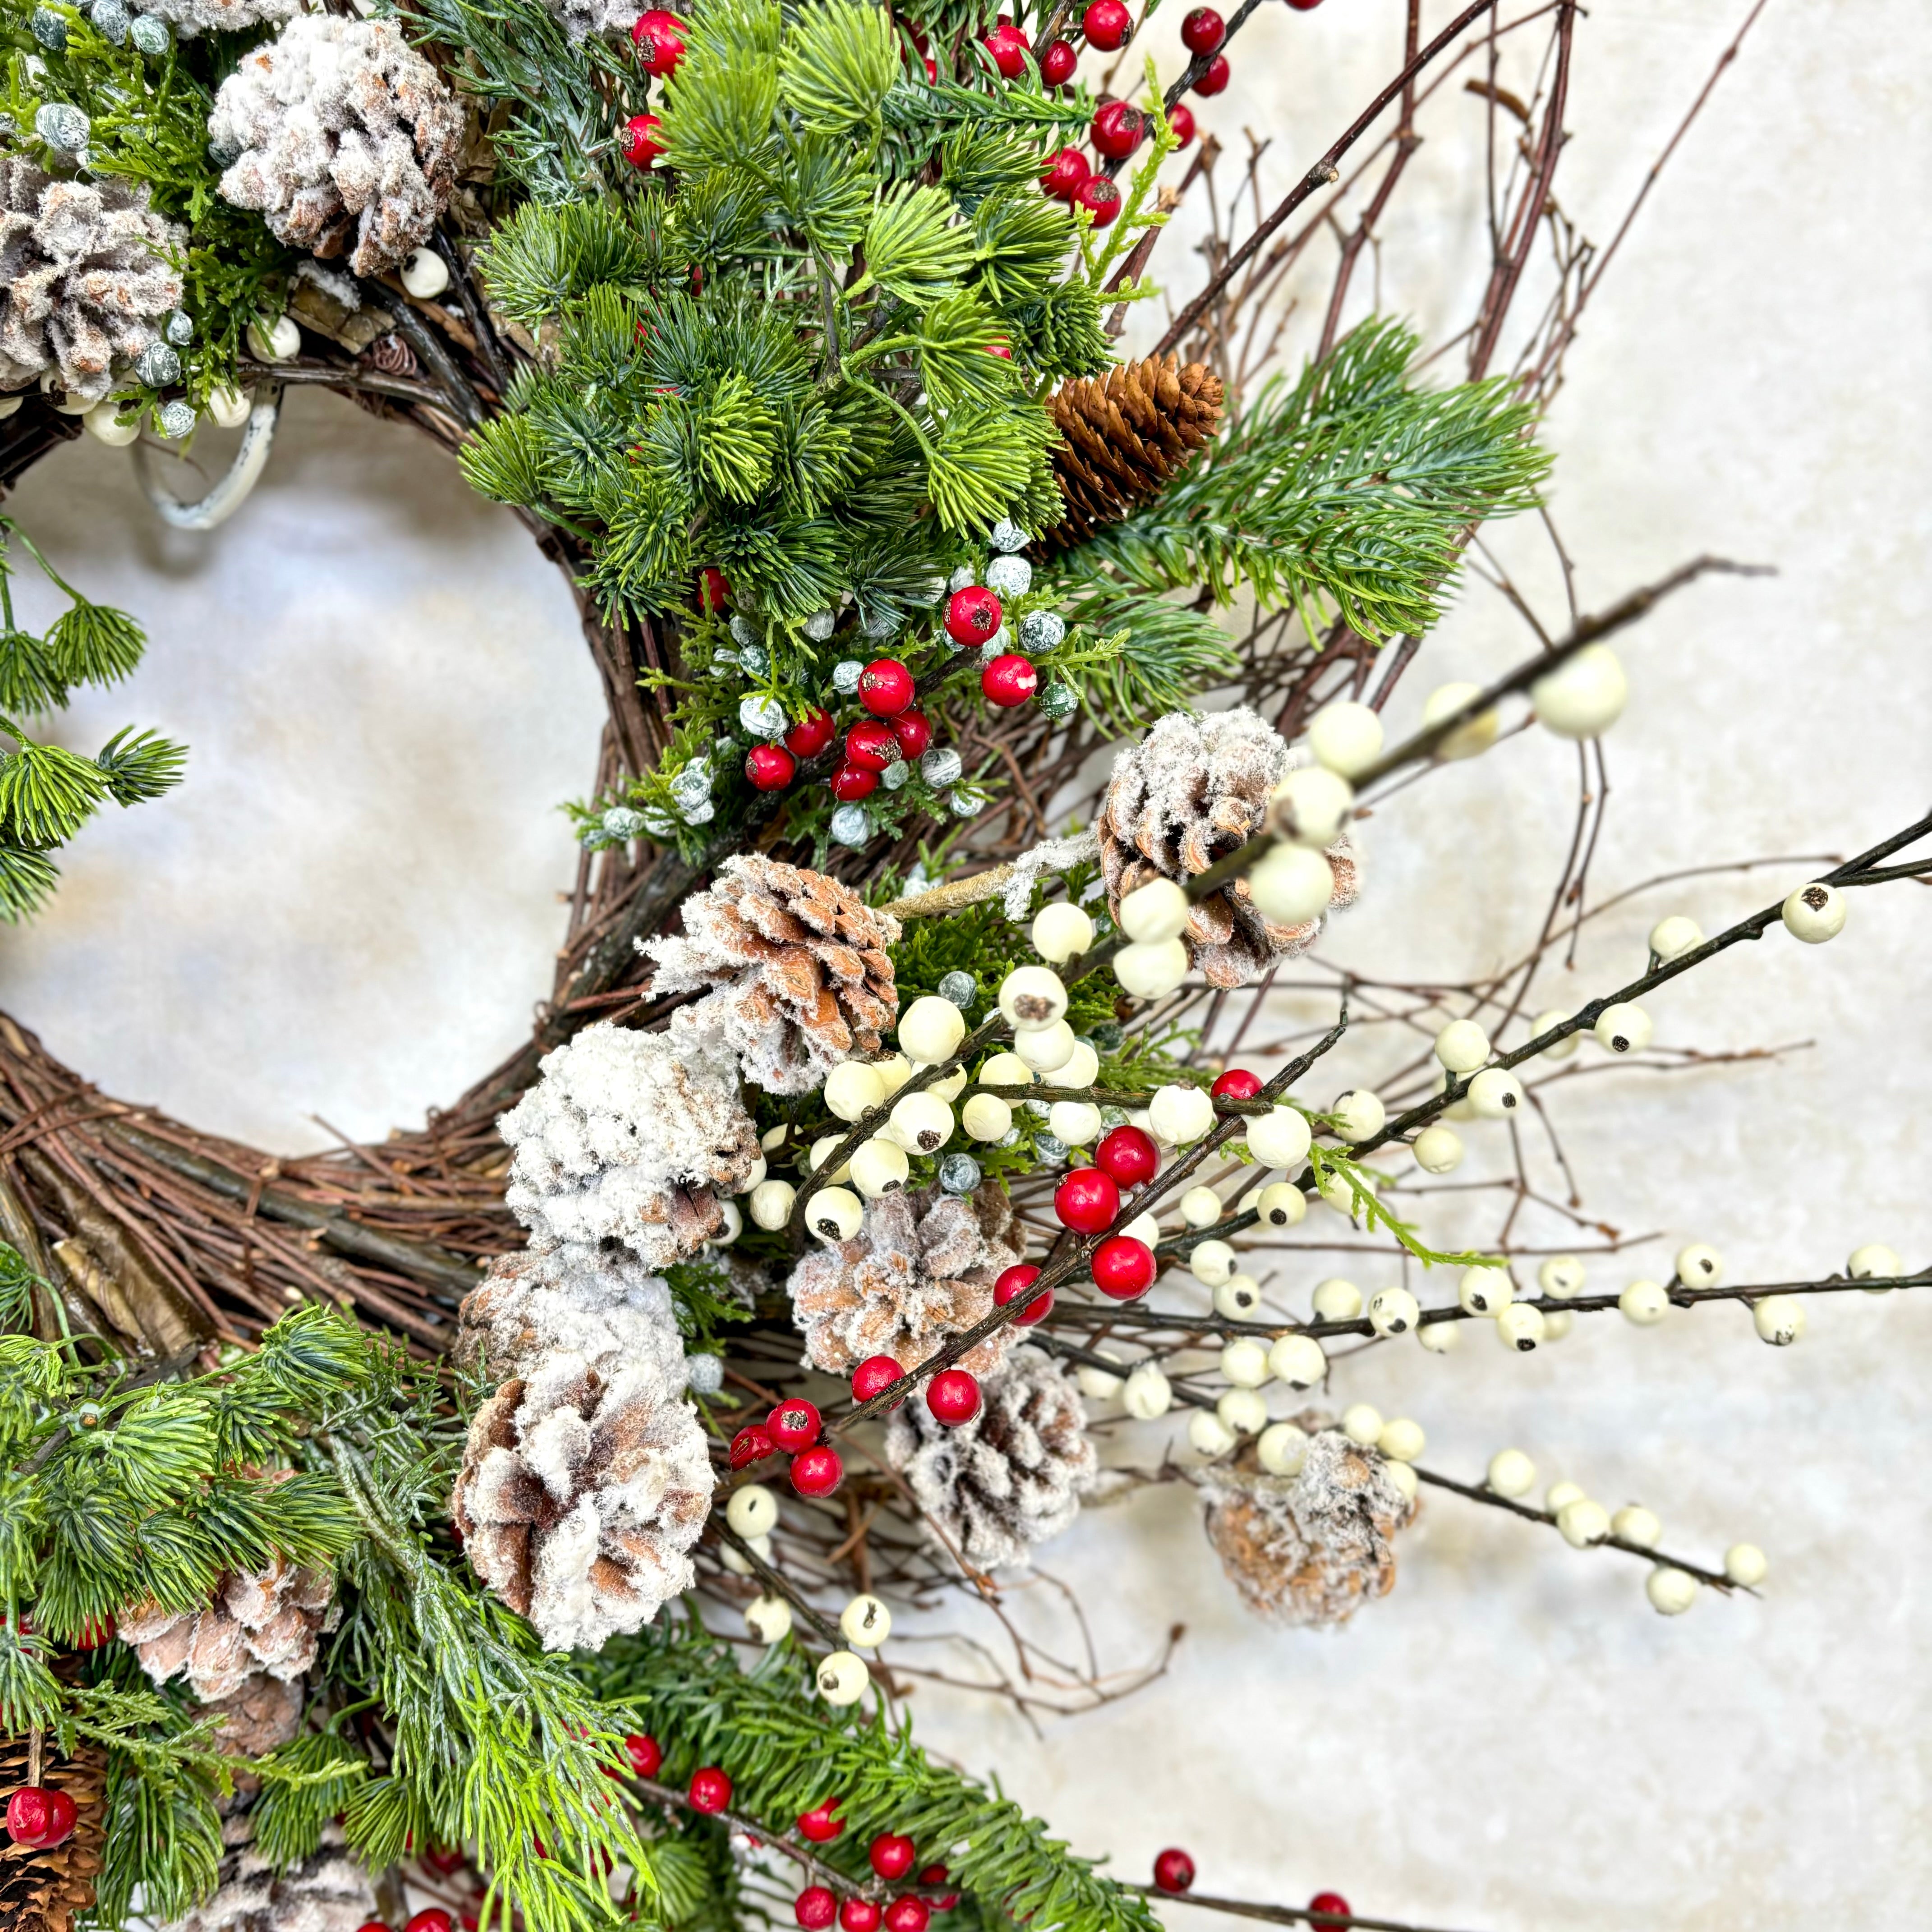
<point>810,736</point>
<point>1008,47</point>
<point>642,144</point>
<point>1013,1284</point>
<point>770,767</point>
<point>953,1397</point>
<point>1237,1083</point>
<point>1304,6</point>
<point>885,687</point>
<point>817,1471</point>
<point>1057,63</point>
<point>1117,129</point>
<point>814,1908</point>
<point>795,1425</point>
<point>1010,680</point>
<point>1216,78</point>
<point>646,1753</point>
<point>874,1373</point>
<point>1181,118</point>
<point>1129,1155</point>
<point>1061,179</point>
<point>373,1925</point>
<point>659,38</point>
<point>752,1443</point>
<point>710,1789</point>
<point>1106,24</point>
<point>913,730</point>
<point>907,1914</point>
<point>1101,200</point>
<point>860,1915</point>
<point>1173,1869</point>
<point>444,1861</point>
<point>95,1632</point>
<point>871,745</point>
<point>1124,1268</point>
<point>433,1920</point>
<point>972,615</point>
<point>714,591</point>
<point>1332,1903</point>
<point>1004,350</point>
<point>39,1817</point>
<point>817,1826</point>
<point>1202,31</point>
<point>936,1875</point>
<point>851,783</point>
<point>891,1854</point>
<point>1087,1201</point>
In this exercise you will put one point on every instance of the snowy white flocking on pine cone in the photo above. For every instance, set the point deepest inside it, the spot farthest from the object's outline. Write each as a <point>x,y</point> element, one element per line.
<point>580,18</point>
<point>1311,1548</point>
<point>581,1495</point>
<point>597,1304</point>
<point>84,276</point>
<point>1191,791</point>
<point>326,1891</point>
<point>339,131</point>
<point>1011,1477</point>
<point>626,1137</point>
<point>795,965</point>
<point>921,1267</point>
<point>190,18</point>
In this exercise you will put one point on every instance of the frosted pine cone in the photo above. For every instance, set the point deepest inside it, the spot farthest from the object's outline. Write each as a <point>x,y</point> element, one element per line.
<point>580,1496</point>
<point>797,963</point>
<point>1013,1476</point>
<point>327,1891</point>
<point>269,1624</point>
<point>625,1137</point>
<point>1311,1548</point>
<point>603,1307</point>
<point>339,131</point>
<point>84,278</point>
<point>582,18</point>
<point>1190,792</point>
<point>190,17</point>
<point>921,1267</point>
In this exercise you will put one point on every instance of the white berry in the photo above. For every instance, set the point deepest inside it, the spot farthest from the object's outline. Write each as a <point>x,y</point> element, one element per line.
<point>1511,1473</point>
<point>1096,1384</point>
<point>1211,1263</point>
<point>105,424</point>
<point>1309,805</point>
<point>1559,1496</point>
<point>1297,1360</point>
<point>1244,1410</point>
<point>1244,1362</point>
<point>1346,737</point>
<point>230,407</point>
<point>1209,1434</point>
<point>1076,1122</point>
<point>425,274</point>
<point>1238,1297</point>
<point>1362,1422</point>
<point>1779,1319</point>
<point>753,1511</point>
<point>1484,1291</point>
<point>1061,930</point>
<point>1671,938</point>
<point>1181,1115</point>
<point>1562,1276</point>
<point>1439,1337</point>
<point>1033,996</point>
<point>1699,1265</point>
<point>854,1088</point>
<point>880,1167</point>
<point>1335,1188</point>
<point>739,1566</point>
<point>1438,1149</point>
<point>1079,1067</point>
<point>1335,1300</point>
<point>1467,740</point>
<point>1360,1114</point>
<point>1875,1261</point>
<point>1151,970</point>
<point>1006,1069</point>
<point>920,1122</point>
<point>1404,1478</point>
<point>931,1029</point>
<point>1283,1448</point>
<point>1584,696</point>
<point>842,1677</point>
<point>1148,1394</point>
<point>769,1619</point>
<point>1644,1303</point>
<point>986,1117</point>
<point>1557,1323</point>
<point>1671,1591</point>
<point>822,1150</point>
<point>1564,1047</point>
<point>1392,1311</point>
<point>1200,1207</point>
<point>1154,912</point>
<point>1402,1438</point>
<point>1745,1563</point>
<point>1045,1049</point>
<point>1623,1028</point>
<point>1461,1046</point>
<point>734,1225</point>
<point>1583,1522</point>
<point>754,1177</point>
<point>1495,1093</point>
<point>1815,913</point>
<point>1291,884</point>
<point>771,1203</point>
<point>1279,1138</point>
<point>834,1214</point>
<point>1520,1326</point>
<point>1634,1523</point>
<point>866,1622</point>
<point>1143,1228</point>
<point>1281,1206</point>
<point>948,1089</point>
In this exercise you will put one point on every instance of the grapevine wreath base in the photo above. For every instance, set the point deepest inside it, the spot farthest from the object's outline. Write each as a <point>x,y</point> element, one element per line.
<point>506,1523</point>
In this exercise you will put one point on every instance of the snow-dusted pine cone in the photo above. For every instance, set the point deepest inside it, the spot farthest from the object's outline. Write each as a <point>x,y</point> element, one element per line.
<point>338,131</point>
<point>1312,1548</point>
<point>582,18</point>
<point>581,1495</point>
<point>327,1891</point>
<point>1011,1477</point>
<point>190,17</point>
<point>1191,791</point>
<point>921,1267</point>
<point>601,1305</point>
<point>629,1136</point>
<point>796,965</point>
<point>86,277</point>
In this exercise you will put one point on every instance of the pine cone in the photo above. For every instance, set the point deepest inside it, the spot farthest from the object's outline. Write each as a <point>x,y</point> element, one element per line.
<point>84,277</point>
<point>581,1495</point>
<point>798,963</point>
<point>625,1137</point>
<point>327,1891</point>
<point>603,1307</point>
<point>1190,792</point>
<point>190,18</point>
<point>46,1891</point>
<point>1011,1477</point>
<point>337,130</point>
<point>1127,434</point>
<point>582,18</point>
<point>1312,1548</point>
<point>921,1267</point>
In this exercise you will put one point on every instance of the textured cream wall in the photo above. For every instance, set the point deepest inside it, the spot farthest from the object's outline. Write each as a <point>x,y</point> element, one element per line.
<point>348,907</point>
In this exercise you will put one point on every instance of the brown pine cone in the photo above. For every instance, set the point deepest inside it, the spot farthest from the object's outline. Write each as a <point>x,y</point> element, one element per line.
<point>581,1496</point>
<point>327,1891</point>
<point>1126,436</point>
<point>921,1267</point>
<point>604,1307</point>
<point>1190,792</point>
<point>796,965</point>
<point>1011,1477</point>
<point>45,1891</point>
<point>1311,1548</point>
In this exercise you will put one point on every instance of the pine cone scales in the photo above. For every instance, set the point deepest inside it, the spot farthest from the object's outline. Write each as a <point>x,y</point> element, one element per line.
<point>45,1891</point>
<point>1309,1549</point>
<point>795,965</point>
<point>1010,1478</point>
<point>604,1308</point>
<point>266,1625</point>
<point>921,1267</point>
<point>327,1891</point>
<point>1126,435</point>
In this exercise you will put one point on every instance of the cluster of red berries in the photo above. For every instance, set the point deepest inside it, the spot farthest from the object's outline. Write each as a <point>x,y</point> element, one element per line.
<point>952,1395</point>
<point>1088,1201</point>
<point>891,1857</point>
<point>973,616</point>
<point>434,1919</point>
<point>39,1817</point>
<point>793,1429</point>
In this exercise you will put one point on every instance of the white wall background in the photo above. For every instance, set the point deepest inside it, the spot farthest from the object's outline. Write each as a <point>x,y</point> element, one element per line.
<point>348,907</point>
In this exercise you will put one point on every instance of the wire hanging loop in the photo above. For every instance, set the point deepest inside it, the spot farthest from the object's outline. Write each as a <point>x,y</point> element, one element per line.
<point>207,512</point>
